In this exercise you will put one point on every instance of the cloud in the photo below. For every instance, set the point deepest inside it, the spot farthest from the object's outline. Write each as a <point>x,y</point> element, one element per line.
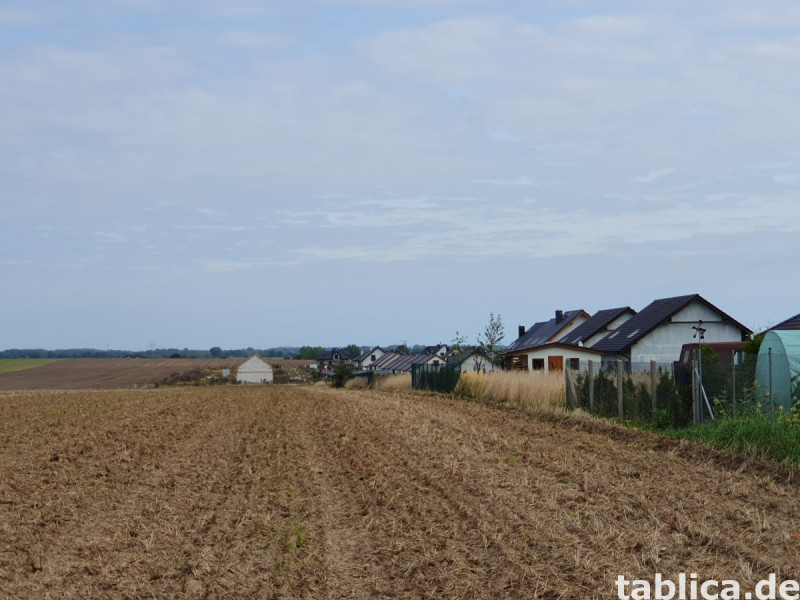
<point>12,18</point>
<point>220,228</point>
<point>655,175</point>
<point>468,230</point>
<point>243,38</point>
<point>517,181</point>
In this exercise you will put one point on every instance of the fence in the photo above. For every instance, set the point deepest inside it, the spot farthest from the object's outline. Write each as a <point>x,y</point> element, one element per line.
<point>672,394</point>
<point>633,391</point>
<point>436,378</point>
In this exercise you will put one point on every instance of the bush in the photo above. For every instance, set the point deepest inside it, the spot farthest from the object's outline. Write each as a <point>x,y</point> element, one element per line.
<point>341,373</point>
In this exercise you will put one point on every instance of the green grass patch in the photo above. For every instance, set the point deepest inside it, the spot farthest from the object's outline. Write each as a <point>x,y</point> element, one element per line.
<point>8,365</point>
<point>755,436</point>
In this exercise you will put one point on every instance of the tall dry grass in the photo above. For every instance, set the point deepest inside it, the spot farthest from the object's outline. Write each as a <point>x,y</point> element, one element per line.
<point>401,381</point>
<point>522,388</point>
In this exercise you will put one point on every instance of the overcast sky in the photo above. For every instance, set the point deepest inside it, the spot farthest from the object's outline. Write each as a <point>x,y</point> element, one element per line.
<point>326,172</point>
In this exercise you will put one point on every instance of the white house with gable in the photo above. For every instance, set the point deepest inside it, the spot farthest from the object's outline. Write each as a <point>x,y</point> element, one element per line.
<point>661,329</point>
<point>254,370</point>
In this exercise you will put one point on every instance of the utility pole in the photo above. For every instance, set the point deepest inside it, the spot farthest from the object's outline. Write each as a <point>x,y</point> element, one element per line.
<point>699,332</point>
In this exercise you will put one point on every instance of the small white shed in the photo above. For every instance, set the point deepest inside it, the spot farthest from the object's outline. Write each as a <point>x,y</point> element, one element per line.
<point>254,370</point>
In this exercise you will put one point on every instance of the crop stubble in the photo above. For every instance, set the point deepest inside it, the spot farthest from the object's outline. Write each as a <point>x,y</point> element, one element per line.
<point>281,492</point>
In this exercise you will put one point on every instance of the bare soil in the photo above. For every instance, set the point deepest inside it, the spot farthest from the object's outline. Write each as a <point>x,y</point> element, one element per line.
<point>106,373</point>
<point>309,492</point>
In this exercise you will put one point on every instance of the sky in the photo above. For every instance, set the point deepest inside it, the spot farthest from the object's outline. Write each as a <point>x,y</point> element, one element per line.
<point>327,172</point>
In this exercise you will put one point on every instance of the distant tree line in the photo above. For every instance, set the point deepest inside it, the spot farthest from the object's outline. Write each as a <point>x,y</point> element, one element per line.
<point>216,352</point>
<point>302,352</point>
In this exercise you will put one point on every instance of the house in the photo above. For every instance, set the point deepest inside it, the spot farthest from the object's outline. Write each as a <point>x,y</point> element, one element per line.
<point>521,353</point>
<point>254,370</point>
<point>728,353</point>
<point>598,326</point>
<point>368,358</point>
<point>792,324</point>
<point>392,362</point>
<point>332,357</point>
<point>659,330</point>
<point>441,350</point>
<point>474,360</point>
<point>574,350</point>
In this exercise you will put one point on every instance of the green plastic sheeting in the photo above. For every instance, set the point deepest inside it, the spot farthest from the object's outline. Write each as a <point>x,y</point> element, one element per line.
<point>785,346</point>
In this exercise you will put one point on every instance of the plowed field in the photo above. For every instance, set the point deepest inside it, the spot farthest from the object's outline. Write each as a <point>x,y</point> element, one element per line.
<point>286,492</point>
<point>105,373</point>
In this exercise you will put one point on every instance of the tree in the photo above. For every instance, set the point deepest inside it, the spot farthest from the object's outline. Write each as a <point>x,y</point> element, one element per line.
<point>216,352</point>
<point>353,351</point>
<point>341,373</point>
<point>402,349</point>
<point>310,352</point>
<point>460,345</point>
<point>489,341</point>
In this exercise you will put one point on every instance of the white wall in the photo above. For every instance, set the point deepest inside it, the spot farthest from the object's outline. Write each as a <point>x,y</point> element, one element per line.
<point>664,343</point>
<point>471,364</point>
<point>255,377</point>
<point>565,352</point>
<point>254,370</point>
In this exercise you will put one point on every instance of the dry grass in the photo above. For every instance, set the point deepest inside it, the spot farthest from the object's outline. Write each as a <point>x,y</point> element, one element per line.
<point>522,388</point>
<point>401,381</point>
<point>357,383</point>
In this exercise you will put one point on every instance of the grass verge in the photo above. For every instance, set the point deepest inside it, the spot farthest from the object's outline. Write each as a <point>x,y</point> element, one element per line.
<point>758,437</point>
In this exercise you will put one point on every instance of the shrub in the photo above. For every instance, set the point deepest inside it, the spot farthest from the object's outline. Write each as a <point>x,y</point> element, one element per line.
<point>341,373</point>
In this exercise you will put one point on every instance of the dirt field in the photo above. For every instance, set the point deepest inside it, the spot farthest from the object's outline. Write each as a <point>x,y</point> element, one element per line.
<point>105,373</point>
<point>287,492</point>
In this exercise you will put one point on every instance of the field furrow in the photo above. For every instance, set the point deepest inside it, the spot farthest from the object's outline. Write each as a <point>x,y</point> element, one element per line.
<point>284,492</point>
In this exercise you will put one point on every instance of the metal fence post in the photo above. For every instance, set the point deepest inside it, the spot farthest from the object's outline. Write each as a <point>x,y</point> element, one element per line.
<point>653,386</point>
<point>695,390</point>
<point>620,402</point>
<point>733,381</point>
<point>572,401</point>
<point>591,386</point>
<point>771,402</point>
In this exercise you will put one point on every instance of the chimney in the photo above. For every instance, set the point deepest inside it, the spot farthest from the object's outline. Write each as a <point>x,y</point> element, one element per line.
<point>521,330</point>
<point>559,316</point>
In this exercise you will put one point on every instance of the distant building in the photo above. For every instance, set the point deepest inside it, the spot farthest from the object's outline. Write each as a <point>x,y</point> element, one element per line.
<point>475,360</point>
<point>658,333</point>
<point>254,370</point>
<point>661,329</point>
<point>332,357</point>
<point>792,324</point>
<point>369,358</point>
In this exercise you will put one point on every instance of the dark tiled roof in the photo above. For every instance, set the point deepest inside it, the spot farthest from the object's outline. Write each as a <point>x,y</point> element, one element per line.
<point>382,360</point>
<point>788,325</point>
<point>594,325</point>
<point>541,333</point>
<point>401,362</point>
<point>328,355</point>
<point>650,317</point>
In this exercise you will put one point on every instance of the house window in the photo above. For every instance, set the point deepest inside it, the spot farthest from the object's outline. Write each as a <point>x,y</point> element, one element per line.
<point>372,358</point>
<point>575,364</point>
<point>436,363</point>
<point>538,364</point>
